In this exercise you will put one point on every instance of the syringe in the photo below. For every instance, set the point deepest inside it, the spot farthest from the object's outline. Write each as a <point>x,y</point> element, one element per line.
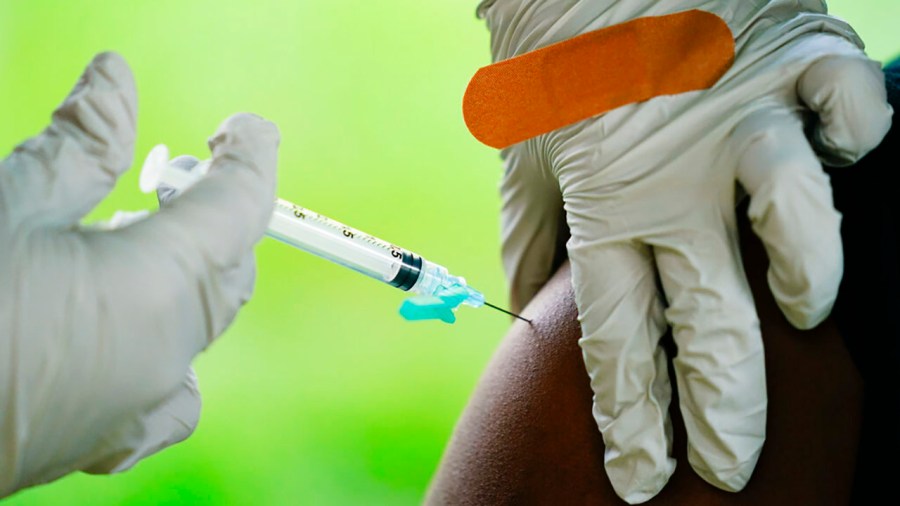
<point>317,234</point>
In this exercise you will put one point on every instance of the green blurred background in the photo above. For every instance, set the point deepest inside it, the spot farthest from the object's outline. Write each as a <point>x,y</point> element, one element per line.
<point>319,393</point>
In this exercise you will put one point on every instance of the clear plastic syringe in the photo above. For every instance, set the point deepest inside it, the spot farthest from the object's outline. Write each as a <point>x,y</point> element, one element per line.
<point>329,239</point>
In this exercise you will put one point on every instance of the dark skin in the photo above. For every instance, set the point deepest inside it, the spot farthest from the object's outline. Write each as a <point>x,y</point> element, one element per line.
<point>528,435</point>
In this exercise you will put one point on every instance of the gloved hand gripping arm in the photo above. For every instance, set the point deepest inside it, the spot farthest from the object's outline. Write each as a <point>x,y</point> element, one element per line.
<point>649,192</point>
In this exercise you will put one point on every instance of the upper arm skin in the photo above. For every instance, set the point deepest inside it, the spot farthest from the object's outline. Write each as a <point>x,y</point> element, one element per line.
<point>528,437</point>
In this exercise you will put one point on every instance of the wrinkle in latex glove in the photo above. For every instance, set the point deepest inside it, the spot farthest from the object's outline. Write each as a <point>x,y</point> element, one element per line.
<point>649,192</point>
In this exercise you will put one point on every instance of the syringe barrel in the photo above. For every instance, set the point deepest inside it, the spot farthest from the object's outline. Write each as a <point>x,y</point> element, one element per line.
<point>362,252</point>
<point>327,238</point>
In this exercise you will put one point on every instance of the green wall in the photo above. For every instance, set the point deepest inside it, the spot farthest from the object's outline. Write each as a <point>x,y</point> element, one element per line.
<point>319,393</point>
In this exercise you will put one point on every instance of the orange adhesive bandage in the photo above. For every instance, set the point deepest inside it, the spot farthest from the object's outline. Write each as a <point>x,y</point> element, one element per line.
<point>540,91</point>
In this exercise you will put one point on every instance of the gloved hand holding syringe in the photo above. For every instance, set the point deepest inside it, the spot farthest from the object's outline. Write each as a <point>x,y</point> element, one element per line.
<point>440,292</point>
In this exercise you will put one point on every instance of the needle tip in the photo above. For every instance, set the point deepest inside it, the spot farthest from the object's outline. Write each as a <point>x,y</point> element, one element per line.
<point>488,304</point>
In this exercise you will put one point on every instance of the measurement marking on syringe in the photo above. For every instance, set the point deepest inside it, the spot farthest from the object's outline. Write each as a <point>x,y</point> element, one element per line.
<point>348,232</point>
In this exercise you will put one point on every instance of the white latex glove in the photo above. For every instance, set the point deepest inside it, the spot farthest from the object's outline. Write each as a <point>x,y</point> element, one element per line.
<point>648,191</point>
<point>98,327</point>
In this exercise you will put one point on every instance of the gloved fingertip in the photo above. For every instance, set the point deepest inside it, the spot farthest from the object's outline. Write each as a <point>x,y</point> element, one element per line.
<point>808,317</point>
<point>246,129</point>
<point>806,291</point>
<point>848,92</point>
<point>729,474</point>
<point>634,491</point>
<point>113,68</point>
<point>640,474</point>
<point>251,142</point>
<point>729,479</point>
<point>110,61</point>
